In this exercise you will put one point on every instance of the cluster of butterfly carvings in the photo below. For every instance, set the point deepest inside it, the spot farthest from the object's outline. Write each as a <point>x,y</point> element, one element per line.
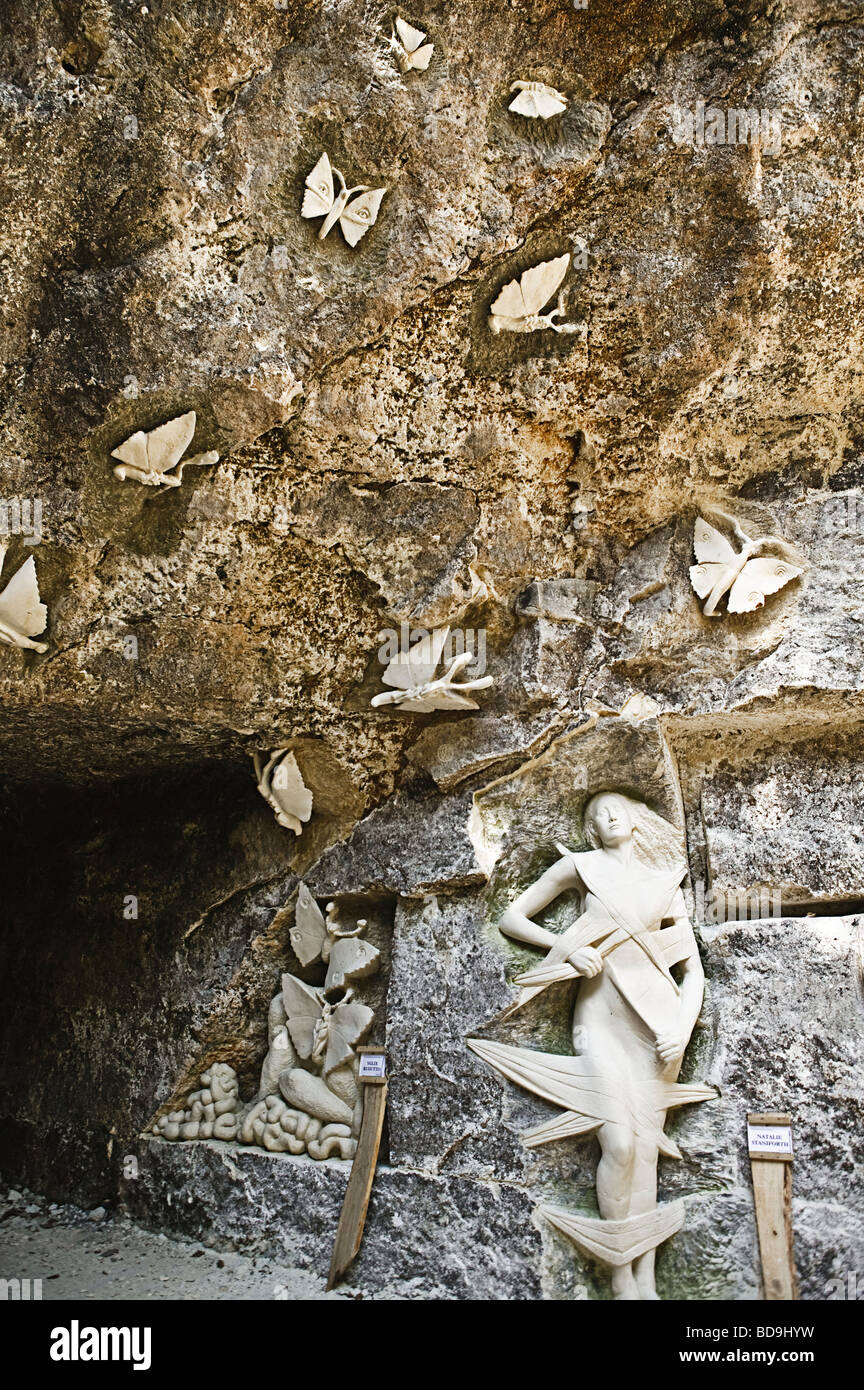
<point>308,1098</point>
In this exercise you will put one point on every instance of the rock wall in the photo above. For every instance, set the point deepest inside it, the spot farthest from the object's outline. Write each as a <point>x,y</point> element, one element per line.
<point>385,459</point>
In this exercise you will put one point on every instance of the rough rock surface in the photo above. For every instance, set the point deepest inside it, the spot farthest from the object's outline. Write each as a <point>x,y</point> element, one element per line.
<point>384,458</point>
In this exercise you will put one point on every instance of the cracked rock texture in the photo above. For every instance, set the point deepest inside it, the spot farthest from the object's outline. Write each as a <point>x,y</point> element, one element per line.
<point>385,459</point>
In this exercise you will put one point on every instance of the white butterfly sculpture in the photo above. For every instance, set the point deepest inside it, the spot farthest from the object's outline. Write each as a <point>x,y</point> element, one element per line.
<point>282,787</point>
<point>22,614</point>
<point>414,674</point>
<point>313,938</point>
<point>320,200</point>
<point>744,574</point>
<point>147,456</point>
<point>517,308</point>
<point>536,99</point>
<point>322,1032</point>
<point>409,48</point>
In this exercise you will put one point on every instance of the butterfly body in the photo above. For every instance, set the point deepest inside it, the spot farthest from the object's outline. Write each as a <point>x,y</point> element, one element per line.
<point>517,307</point>
<point>747,575</point>
<point>22,614</point>
<point>535,99</point>
<point>419,691</point>
<point>355,209</point>
<point>146,456</point>
<point>408,46</point>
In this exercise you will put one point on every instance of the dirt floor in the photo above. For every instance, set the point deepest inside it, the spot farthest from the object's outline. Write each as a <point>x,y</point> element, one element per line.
<point>97,1255</point>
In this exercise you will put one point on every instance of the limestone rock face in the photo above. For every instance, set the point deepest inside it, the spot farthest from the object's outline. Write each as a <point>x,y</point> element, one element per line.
<point>386,463</point>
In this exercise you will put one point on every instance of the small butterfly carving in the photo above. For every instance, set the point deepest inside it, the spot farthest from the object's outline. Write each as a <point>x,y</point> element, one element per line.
<point>312,938</point>
<point>22,614</point>
<point>322,1032</point>
<point>409,47</point>
<point>517,308</point>
<point>355,209</point>
<point>147,456</point>
<point>745,575</point>
<point>413,672</point>
<point>281,784</point>
<point>536,99</point>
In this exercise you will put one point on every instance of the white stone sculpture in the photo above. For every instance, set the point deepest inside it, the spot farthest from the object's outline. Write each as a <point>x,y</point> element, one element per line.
<point>409,47</point>
<point>535,99</point>
<point>211,1113</point>
<point>413,672</point>
<point>22,614</point>
<point>147,456</point>
<point>631,1024</point>
<point>355,217</point>
<point>517,308</point>
<point>745,575</point>
<point>309,1100</point>
<point>281,784</point>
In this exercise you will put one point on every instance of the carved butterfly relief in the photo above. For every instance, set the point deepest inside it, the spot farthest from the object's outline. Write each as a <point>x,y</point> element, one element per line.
<point>355,209</point>
<point>320,1031</point>
<point>413,673</point>
<point>409,47</point>
<point>22,614</point>
<point>281,784</point>
<point>517,308</point>
<point>345,955</point>
<point>745,575</point>
<point>147,456</point>
<point>535,99</point>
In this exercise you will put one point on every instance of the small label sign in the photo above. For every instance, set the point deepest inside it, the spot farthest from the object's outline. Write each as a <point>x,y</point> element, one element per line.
<point>769,1139</point>
<point>373,1064</point>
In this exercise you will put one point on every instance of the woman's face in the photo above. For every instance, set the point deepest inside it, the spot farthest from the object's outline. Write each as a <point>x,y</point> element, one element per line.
<point>610,820</point>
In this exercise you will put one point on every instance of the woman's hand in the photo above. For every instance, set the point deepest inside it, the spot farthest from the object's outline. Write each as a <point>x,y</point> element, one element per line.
<point>587,962</point>
<point>670,1046</point>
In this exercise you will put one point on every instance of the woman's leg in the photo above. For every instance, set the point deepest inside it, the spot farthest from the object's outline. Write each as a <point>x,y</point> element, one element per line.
<point>614,1193</point>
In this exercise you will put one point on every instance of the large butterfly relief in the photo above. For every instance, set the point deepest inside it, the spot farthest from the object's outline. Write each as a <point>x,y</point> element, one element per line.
<point>315,938</point>
<point>323,1033</point>
<point>147,457</point>
<point>355,209</point>
<point>281,784</point>
<point>517,308</point>
<point>745,575</point>
<point>418,689</point>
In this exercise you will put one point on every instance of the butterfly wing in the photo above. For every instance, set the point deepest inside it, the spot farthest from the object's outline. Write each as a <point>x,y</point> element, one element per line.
<point>417,665</point>
<point>549,103</point>
<point>525,104</point>
<point>289,791</point>
<point>309,933</point>
<point>541,281</point>
<point>710,544</point>
<point>133,451</point>
<point>411,38</point>
<point>704,577</point>
<point>348,1022</point>
<point>764,575</point>
<point>20,607</point>
<point>304,1007</point>
<point>510,303</point>
<point>319,196</point>
<point>421,57</point>
<point>350,959</point>
<point>359,215</point>
<point>167,443</point>
<point>449,699</point>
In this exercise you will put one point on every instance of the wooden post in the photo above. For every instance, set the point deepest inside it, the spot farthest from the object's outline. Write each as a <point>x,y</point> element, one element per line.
<point>349,1234</point>
<point>769,1143</point>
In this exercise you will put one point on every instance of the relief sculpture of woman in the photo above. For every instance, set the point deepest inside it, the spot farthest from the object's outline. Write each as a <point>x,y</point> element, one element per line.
<point>632,1021</point>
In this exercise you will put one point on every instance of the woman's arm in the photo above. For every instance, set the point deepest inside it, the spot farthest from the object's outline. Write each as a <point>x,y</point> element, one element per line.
<point>516,921</point>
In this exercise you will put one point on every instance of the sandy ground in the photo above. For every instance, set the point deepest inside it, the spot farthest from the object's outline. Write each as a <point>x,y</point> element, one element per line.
<point>94,1255</point>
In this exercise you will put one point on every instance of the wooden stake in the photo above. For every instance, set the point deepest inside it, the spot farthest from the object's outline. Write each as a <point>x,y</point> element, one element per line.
<point>349,1233</point>
<point>769,1141</point>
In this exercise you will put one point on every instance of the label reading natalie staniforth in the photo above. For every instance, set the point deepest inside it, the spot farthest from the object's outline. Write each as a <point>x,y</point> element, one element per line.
<point>769,1139</point>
